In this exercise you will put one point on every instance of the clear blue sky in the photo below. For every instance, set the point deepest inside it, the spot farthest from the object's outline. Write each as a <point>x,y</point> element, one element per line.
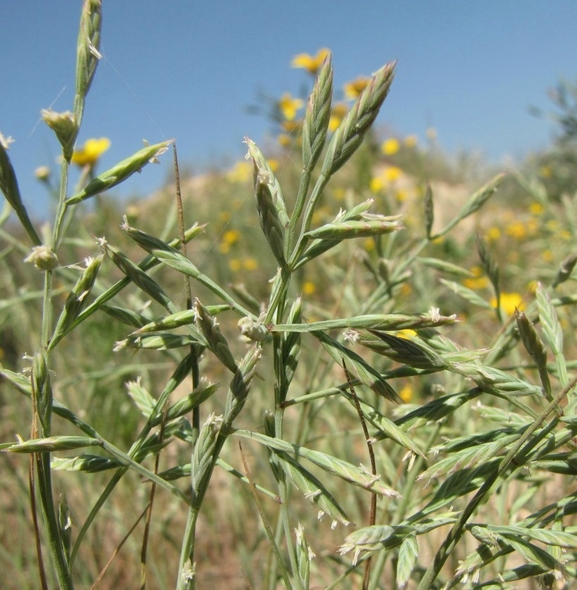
<point>188,69</point>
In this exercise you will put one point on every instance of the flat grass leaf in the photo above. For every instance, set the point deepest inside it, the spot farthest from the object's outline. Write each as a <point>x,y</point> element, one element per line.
<point>358,476</point>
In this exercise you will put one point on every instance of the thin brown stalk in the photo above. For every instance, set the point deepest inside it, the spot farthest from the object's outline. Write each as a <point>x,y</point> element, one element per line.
<point>118,548</point>
<point>373,508</point>
<point>146,534</point>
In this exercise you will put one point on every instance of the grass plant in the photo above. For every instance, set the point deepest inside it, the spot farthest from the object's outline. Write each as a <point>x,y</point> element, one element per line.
<point>370,391</point>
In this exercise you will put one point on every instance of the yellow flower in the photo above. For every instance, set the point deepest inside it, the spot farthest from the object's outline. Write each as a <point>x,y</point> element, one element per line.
<point>547,255</point>
<point>546,171</point>
<point>406,393</point>
<point>231,236</point>
<point>355,87</point>
<point>250,264</point>
<point>289,106</point>
<point>234,264</point>
<point>369,244</point>
<point>401,195</point>
<point>509,302</point>
<point>431,133</point>
<point>292,126</point>
<point>407,334</point>
<point>411,141</point>
<point>311,64</point>
<point>309,288</point>
<point>89,153</point>
<point>390,146</point>
<point>493,234</point>
<point>284,140</point>
<point>516,229</point>
<point>241,172</point>
<point>536,208</point>
<point>338,113</point>
<point>377,184</point>
<point>392,173</point>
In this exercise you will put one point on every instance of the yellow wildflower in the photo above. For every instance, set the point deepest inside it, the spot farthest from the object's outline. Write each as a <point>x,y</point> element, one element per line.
<point>289,106</point>
<point>309,288</point>
<point>234,264</point>
<point>516,229</point>
<point>390,146</point>
<point>241,172</point>
<point>292,126</point>
<point>338,113</point>
<point>401,195</point>
<point>284,140</point>
<point>509,302</point>
<point>369,244</point>
<point>431,133</point>
<point>311,64</point>
<point>546,171</point>
<point>406,393</point>
<point>392,173</point>
<point>536,208</point>
<point>377,184</point>
<point>493,234</point>
<point>250,263</point>
<point>411,141</point>
<point>231,236</point>
<point>89,153</point>
<point>547,255</point>
<point>355,87</point>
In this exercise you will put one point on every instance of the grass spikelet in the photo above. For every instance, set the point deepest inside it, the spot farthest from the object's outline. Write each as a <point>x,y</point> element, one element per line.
<point>535,347</point>
<point>351,132</point>
<point>317,115</point>
<point>87,53</point>
<point>216,341</point>
<point>120,172</point>
<point>141,279</point>
<point>76,300</point>
<point>10,189</point>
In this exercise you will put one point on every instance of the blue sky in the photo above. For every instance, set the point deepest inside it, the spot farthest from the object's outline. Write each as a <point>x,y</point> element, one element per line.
<point>188,70</point>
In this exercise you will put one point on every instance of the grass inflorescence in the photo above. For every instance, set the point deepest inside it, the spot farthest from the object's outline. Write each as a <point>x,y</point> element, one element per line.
<point>366,381</point>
